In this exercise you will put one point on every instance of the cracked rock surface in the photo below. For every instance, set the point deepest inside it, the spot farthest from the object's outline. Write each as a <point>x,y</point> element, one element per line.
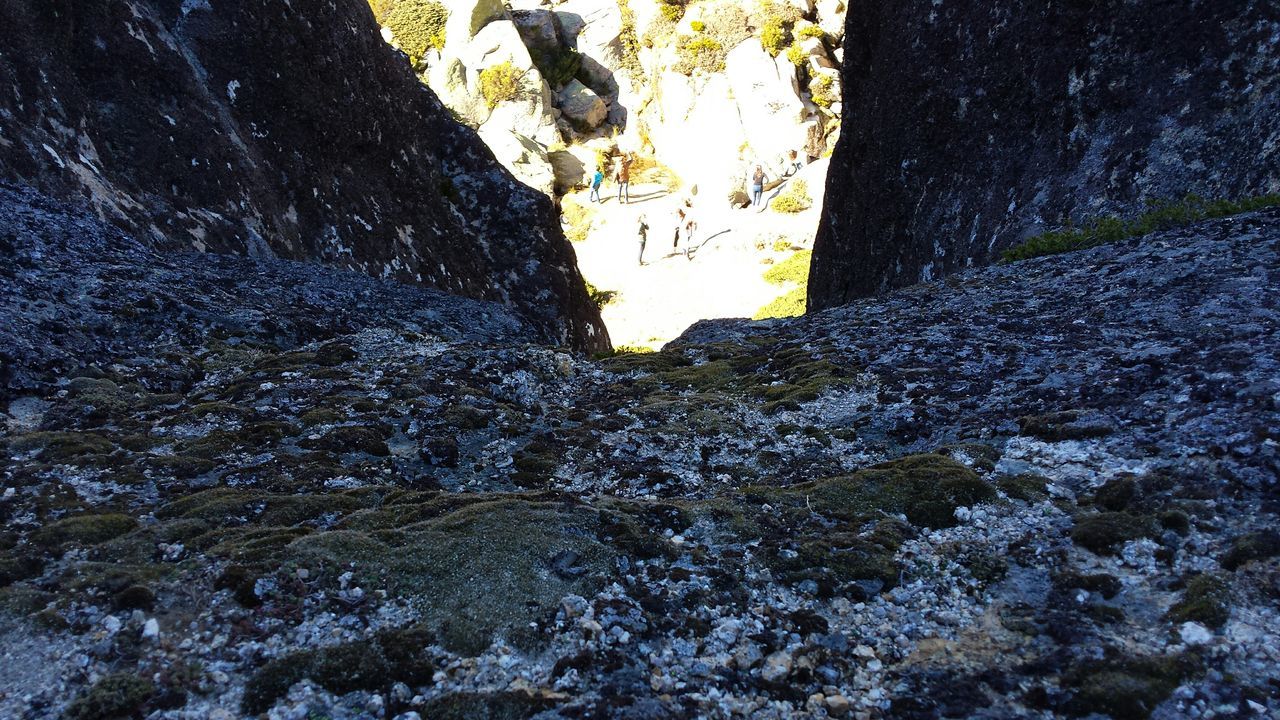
<point>1045,489</point>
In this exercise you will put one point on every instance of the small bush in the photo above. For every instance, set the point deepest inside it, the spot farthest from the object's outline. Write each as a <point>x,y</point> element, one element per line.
<point>697,25</point>
<point>811,31</point>
<point>576,218</point>
<point>672,10</point>
<point>114,696</point>
<point>796,55</point>
<point>558,66</point>
<point>1161,215</point>
<point>773,38</point>
<point>627,37</point>
<point>500,83</point>
<point>599,297</point>
<point>699,53</point>
<point>794,199</point>
<point>793,270</point>
<point>821,91</point>
<point>418,26</point>
<point>776,21</point>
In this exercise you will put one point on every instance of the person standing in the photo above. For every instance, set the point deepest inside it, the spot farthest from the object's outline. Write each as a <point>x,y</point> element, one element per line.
<point>595,185</point>
<point>624,179</point>
<point>795,161</point>
<point>675,242</point>
<point>757,186</point>
<point>642,230</point>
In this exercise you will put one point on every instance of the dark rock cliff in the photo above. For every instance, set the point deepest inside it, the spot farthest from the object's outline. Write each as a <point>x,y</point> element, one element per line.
<point>969,126</point>
<point>265,128</point>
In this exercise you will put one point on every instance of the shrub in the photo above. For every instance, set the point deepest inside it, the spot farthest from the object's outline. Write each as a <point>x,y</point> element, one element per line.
<point>794,199</point>
<point>627,37</point>
<point>577,219</point>
<point>699,53</point>
<point>1161,215</point>
<point>821,91</point>
<point>773,37</point>
<point>697,25</point>
<point>672,11</point>
<point>500,83</point>
<point>382,9</point>
<point>418,26</point>
<point>558,66</point>
<point>809,31</point>
<point>793,270</point>
<point>599,297</point>
<point>796,55</point>
<point>776,21</point>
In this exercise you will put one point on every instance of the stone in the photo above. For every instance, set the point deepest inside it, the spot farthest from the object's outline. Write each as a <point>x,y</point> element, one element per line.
<point>1194,634</point>
<point>205,159</point>
<point>539,28</point>
<point>767,95</point>
<point>594,29</point>
<point>468,17</point>
<point>986,159</point>
<point>151,629</point>
<point>582,107</point>
<point>837,705</point>
<point>777,666</point>
<point>831,17</point>
<point>526,159</point>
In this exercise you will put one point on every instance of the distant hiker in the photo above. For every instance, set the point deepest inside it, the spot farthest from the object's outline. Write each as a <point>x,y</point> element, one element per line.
<point>757,186</point>
<point>595,186</point>
<point>622,175</point>
<point>642,230</point>
<point>795,160</point>
<point>679,226</point>
<point>689,226</point>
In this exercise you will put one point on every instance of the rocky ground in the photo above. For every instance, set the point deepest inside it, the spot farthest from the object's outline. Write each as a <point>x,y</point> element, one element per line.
<point>1036,490</point>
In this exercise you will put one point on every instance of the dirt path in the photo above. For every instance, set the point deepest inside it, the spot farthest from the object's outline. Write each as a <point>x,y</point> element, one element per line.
<point>722,277</point>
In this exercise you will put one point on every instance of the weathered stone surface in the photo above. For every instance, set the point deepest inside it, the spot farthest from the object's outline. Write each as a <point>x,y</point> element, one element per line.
<point>594,29</point>
<point>967,128</point>
<point>252,128</point>
<point>582,107</point>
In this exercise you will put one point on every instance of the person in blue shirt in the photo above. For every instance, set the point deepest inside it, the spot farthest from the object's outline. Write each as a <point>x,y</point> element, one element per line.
<point>595,186</point>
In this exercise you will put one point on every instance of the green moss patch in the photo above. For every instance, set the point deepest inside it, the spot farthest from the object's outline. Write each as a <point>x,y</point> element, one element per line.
<point>1104,533</point>
<point>1207,600</point>
<point>1250,547</point>
<point>83,530</point>
<point>1127,687</point>
<point>120,695</point>
<point>512,705</point>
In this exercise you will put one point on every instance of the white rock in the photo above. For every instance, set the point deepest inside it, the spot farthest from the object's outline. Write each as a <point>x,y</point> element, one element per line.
<point>582,106</point>
<point>777,666</point>
<point>151,629</point>
<point>1193,633</point>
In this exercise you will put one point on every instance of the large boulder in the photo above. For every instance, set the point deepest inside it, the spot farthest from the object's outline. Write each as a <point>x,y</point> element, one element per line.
<point>768,99</point>
<point>968,127</point>
<point>594,29</point>
<point>582,107</point>
<point>525,158</point>
<point>468,17</point>
<point>695,128</point>
<point>216,129</point>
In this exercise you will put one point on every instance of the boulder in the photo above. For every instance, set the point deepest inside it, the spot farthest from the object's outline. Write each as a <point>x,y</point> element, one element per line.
<point>539,29</point>
<point>582,107</point>
<point>767,98</point>
<point>569,169</point>
<point>529,114</point>
<point>594,29</point>
<point>959,148</point>
<point>526,159</point>
<point>696,131</point>
<point>816,53</point>
<point>243,140</point>
<point>468,17</point>
<point>831,14</point>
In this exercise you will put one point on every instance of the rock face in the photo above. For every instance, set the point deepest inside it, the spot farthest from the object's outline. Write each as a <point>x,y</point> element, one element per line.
<point>258,129</point>
<point>968,127</point>
<point>385,499</point>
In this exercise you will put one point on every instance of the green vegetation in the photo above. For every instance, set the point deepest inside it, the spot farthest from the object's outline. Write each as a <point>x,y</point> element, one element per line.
<point>1207,600</point>
<point>558,66</point>
<point>697,26</point>
<point>796,55</point>
<point>627,37</point>
<point>699,53</point>
<point>1127,687</point>
<point>119,695</point>
<point>577,217</point>
<point>672,10</point>
<point>1102,533</point>
<point>83,530</point>
<point>382,10</point>
<point>418,26</point>
<point>599,297</point>
<point>500,83</point>
<point>1160,215</point>
<point>821,91</point>
<point>793,270</point>
<point>1250,547</point>
<point>811,31</point>
<point>794,199</point>
<point>776,21</point>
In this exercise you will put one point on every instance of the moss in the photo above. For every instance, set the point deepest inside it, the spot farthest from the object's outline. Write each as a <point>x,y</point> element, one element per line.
<point>120,695</point>
<point>509,705</point>
<point>351,438</point>
<point>927,489</point>
<point>1250,547</point>
<point>1161,215</point>
<point>792,271</point>
<point>1102,533</point>
<point>478,570</point>
<point>83,530</point>
<point>61,447</point>
<point>794,199</point>
<point>321,416</point>
<point>1175,520</point>
<point>464,417</point>
<point>837,558</point>
<point>251,437</point>
<point>16,566</point>
<point>1127,688</point>
<point>1060,426</point>
<point>1108,586</point>
<point>1206,600</point>
<point>388,657</point>
<point>218,408</point>
<point>335,353</point>
<point>1116,494</point>
<point>183,467</point>
<point>138,597</point>
<point>822,91</point>
<point>1028,487</point>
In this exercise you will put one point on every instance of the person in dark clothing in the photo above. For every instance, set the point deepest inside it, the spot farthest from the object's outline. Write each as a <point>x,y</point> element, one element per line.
<point>642,230</point>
